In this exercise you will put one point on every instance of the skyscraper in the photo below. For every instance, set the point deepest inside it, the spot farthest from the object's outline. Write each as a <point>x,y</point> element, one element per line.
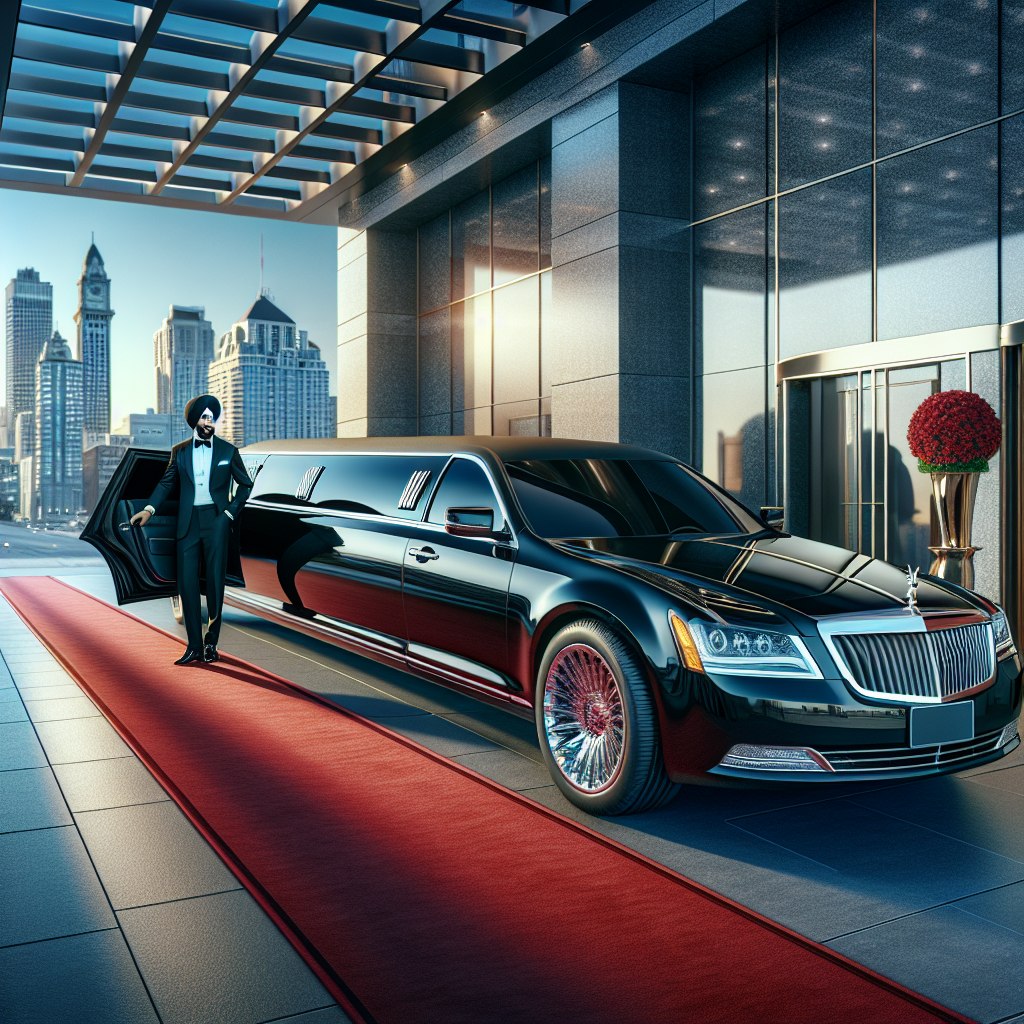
<point>270,379</point>
<point>29,309</point>
<point>93,320</point>
<point>57,459</point>
<point>182,353</point>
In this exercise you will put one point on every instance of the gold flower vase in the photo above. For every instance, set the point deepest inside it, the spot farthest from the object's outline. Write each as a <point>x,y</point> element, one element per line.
<point>955,494</point>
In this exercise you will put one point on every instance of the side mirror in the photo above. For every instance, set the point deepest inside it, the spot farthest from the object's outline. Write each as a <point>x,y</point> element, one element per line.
<point>469,522</point>
<point>773,516</point>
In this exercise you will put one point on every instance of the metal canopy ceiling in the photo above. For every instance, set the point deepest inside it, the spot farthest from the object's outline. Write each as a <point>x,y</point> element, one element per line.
<point>253,106</point>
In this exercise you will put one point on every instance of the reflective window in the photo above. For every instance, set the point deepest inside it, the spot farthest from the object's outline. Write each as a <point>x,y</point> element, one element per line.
<point>374,484</point>
<point>516,237</point>
<point>1012,42</point>
<point>825,94</point>
<point>279,478</point>
<point>937,222</point>
<point>471,247</point>
<point>730,290</point>
<point>620,498</point>
<point>729,158</point>
<point>825,265</point>
<point>733,407</point>
<point>464,485</point>
<point>480,367</point>
<point>517,342</point>
<point>937,69</point>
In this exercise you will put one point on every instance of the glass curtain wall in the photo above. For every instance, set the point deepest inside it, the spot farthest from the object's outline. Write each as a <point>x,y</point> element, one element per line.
<point>484,309</point>
<point>857,177</point>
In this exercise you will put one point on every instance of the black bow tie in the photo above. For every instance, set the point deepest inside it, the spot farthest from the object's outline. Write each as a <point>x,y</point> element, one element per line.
<point>199,444</point>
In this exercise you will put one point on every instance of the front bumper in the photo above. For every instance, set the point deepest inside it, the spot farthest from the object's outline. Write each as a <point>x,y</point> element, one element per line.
<point>871,764</point>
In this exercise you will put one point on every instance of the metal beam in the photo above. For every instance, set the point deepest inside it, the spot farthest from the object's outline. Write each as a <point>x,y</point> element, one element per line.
<point>79,24</point>
<point>67,143</point>
<point>145,34</point>
<point>405,37</point>
<point>291,14</point>
<point>57,87</point>
<point>8,30</point>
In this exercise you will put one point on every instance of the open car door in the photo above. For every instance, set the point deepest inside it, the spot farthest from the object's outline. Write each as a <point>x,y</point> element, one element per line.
<point>142,560</point>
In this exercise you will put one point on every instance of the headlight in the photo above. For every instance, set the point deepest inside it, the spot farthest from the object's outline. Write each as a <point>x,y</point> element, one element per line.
<point>1004,640</point>
<point>752,652</point>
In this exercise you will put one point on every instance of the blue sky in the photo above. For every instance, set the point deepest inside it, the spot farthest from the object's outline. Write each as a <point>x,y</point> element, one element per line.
<point>156,256</point>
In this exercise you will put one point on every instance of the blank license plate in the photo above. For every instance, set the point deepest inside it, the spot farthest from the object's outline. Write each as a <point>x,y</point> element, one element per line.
<point>942,723</point>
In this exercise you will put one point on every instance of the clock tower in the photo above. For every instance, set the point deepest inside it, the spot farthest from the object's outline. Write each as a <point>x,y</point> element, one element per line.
<point>93,319</point>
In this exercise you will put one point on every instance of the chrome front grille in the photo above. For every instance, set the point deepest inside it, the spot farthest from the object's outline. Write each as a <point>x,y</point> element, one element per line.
<point>932,666</point>
<point>893,759</point>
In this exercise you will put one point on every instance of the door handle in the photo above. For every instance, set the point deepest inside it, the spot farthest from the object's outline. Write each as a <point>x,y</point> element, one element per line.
<point>423,554</point>
<point>125,527</point>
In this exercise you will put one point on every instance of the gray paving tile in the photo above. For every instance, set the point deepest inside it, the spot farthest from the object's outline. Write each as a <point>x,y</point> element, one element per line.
<point>985,816</point>
<point>81,739</point>
<point>57,692</point>
<point>440,735</point>
<point>880,857</point>
<point>6,680</point>
<point>327,1015</point>
<point>39,677</point>
<point>150,853</point>
<point>1010,779</point>
<point>31,799</point>
<point>372,704</point>
<point>61,710</point>
<point>50,888</point>
<point>219,960</point>
<point>115,782</point>
<point>503,728</point>
<point>12,711</point>
<point>962,961</point>
<point>507,769</point>
<point>81,979</point>
<point>1003,906</point>
<point>19,747</point>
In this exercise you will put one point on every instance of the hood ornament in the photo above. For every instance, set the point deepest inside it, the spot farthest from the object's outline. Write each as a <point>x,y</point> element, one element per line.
<point>912,575</point>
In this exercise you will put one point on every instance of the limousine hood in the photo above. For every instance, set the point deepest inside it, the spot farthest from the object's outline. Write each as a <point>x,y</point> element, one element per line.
<point>806,576</point>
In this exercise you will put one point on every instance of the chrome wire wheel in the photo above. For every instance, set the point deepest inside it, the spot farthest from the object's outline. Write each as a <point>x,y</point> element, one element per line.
<point>583,718</point>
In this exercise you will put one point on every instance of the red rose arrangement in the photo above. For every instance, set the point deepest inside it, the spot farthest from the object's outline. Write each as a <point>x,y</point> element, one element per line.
<point>954,432</point>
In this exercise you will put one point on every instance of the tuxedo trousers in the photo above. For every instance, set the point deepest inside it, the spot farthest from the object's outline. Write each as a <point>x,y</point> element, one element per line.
<point>205,546</point>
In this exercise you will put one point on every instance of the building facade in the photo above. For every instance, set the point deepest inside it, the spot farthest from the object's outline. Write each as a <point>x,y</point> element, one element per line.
<point>753,236</point>
<point>183,349</point>
<point>24,434</point>
<point>57,459</point>
<point>93,318</point>
<point>270,379</point>
<point>29,323</point>
<point>10,488</point>
<point>151,429</point>
<point>98,464</point>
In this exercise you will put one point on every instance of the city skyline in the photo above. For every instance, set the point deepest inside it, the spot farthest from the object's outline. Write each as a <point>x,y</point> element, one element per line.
<point>187,259</point>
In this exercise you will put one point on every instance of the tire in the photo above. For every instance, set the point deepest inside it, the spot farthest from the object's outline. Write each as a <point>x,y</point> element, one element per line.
<point>176,609</point>
<point>597,723</point>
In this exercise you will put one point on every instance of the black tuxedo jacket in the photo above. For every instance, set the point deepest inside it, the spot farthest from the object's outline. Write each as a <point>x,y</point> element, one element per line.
<point>227,466</point>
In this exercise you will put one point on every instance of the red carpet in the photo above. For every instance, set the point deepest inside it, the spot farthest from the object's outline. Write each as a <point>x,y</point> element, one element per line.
<point>419,892</point>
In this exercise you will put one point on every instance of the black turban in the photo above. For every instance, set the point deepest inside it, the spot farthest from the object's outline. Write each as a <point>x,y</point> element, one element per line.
<point>198,406</point>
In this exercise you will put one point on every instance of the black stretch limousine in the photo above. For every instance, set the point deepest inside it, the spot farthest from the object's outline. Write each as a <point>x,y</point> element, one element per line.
<point>654,628</point>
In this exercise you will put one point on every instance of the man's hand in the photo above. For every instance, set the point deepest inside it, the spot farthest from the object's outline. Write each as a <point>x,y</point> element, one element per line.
<point>141,518</point>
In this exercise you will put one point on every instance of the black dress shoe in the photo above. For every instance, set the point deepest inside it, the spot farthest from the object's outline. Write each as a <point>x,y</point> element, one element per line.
<point>210,653</point>
<point>191,654</point>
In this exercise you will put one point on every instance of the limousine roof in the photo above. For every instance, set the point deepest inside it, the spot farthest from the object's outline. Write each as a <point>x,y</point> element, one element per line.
<point>508,449</point>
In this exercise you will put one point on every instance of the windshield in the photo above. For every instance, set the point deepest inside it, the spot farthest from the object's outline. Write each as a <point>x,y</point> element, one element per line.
<point>622,498</point>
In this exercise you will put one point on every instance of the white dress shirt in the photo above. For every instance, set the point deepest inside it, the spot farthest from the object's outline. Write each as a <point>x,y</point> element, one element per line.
<point>202,464</point>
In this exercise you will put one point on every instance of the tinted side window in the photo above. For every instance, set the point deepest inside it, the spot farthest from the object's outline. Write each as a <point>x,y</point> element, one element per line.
<point>373,485</point>
<point>464,485</point>
<point>279,477</point>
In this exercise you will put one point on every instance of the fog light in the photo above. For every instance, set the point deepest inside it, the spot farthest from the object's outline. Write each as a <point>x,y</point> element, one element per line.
<point>775,759</point>
<point>1009,733</point>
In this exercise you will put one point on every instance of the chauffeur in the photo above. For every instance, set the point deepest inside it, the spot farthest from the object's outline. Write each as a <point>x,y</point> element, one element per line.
<point>204,467</point>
